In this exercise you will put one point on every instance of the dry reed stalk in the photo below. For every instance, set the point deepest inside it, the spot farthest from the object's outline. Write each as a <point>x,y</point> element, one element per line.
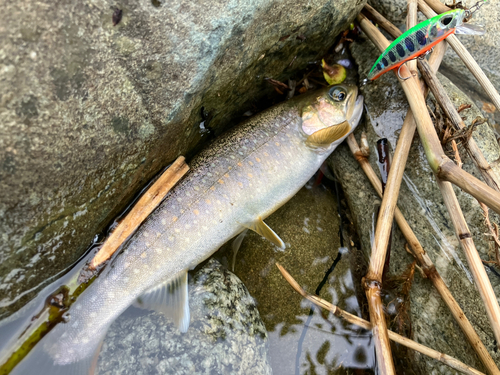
<point>427,265</point>
<point>445,169</point>
<point>461,51</point>
<point>449,109</point>
<point>353,319</point>
<point>411,20</point>
<point>144,206</point>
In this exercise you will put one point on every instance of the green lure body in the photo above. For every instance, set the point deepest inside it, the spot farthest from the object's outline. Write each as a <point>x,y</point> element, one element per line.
<point>418,40</point>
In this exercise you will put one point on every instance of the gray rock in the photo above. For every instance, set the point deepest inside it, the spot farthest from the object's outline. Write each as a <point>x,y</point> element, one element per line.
<point>89,112</point>
<point>485,49</point>
<point>226,335</point>
<point>421,202</point>
<point>309,225</point>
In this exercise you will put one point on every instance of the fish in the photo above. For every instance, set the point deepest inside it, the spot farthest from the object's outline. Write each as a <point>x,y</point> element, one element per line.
<point>421,38</point>
<point>233,185</point>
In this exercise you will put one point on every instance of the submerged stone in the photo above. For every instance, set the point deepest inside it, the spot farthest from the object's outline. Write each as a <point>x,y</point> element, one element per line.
<point>226,335</point>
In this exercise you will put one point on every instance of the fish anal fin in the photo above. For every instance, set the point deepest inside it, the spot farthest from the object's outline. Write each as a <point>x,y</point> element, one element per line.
<point>258,226</point>
<point>237,244</point>
<point>169,298</point>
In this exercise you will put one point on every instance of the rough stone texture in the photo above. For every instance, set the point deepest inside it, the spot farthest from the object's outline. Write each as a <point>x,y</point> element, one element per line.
<point>485,49</point>
<point>309,225</point>
<point>89,112</point>
<point>421,203</point>
<point>226,335</point>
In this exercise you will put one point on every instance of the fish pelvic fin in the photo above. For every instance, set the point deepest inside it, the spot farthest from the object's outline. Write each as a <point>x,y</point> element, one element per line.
<point>259,227</point>
<point>327,136</point>
<point>169,298</point>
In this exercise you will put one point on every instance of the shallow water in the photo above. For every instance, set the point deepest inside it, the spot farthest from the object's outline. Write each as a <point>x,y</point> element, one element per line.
<point>300,340</point>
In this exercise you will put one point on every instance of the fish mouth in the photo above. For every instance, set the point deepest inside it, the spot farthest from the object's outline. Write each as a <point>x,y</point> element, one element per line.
<point>355,110</point>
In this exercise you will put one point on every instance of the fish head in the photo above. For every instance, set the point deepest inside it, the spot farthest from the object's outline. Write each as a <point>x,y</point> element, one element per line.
<point>445,24</point>
<point>331,115</point>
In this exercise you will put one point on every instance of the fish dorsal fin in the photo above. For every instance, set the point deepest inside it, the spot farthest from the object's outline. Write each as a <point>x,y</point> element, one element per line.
<point>237,244</point>
<point>169,298</point>
<point>329,135</point>
<point>263,229</point>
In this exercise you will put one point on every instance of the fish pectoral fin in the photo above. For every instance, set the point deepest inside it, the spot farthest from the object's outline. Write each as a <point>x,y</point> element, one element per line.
<point>169,298</point>
<point>264,230</point>
<point>329,135</point>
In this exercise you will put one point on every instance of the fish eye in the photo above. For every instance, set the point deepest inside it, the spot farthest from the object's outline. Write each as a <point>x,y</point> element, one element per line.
<point>338,94</point>
<point>446,20</point>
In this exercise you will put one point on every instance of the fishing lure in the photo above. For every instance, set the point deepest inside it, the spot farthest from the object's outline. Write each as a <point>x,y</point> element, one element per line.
<point>421,38</point>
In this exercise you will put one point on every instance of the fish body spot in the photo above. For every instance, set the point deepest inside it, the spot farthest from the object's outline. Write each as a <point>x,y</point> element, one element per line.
<point>143,255</point>
<point>221,181</point>
<point>226,175</point>
<point>249,162</point>
<point>174,219</point>
<point>392,56</point>
<point>196,212</point>
<point>384,60</point>
<point>250,175</point>
<point>212,188</point>
<point>257,159</point>
<point>158,250</point>
<point>164,222</point>
<point>177,230</point>
<point>208,201</point>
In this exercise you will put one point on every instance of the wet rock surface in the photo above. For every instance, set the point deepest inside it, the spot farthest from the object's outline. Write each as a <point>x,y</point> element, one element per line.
<point>485,49</point>
<point>301,341</point>
<point>89,111</point>
<point>226,335</point>
<point>421,202</point>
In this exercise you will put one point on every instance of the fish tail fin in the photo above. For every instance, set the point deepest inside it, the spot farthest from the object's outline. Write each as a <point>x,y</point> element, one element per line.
<point>46,358</point>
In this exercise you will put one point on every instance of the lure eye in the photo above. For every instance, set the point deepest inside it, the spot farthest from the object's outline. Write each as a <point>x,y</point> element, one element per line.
<point>446,20</point>
<point>338,94</point>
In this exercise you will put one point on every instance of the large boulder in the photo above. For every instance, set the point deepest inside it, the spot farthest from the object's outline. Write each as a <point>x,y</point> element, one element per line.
<point>421,203</point>
<point>89,112</point>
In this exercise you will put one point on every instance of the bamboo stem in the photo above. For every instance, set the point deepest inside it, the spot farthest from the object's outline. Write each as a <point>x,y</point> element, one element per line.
<point>427,265</point>
<point>462,52</point>
<point>148,202</point>
<point>446,359</point>
<point>449,109</point>
<point>442,165</point>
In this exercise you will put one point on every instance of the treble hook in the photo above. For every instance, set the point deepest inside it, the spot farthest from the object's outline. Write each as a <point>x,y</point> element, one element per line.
<point>399,75</point>
<point>420,57</point>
